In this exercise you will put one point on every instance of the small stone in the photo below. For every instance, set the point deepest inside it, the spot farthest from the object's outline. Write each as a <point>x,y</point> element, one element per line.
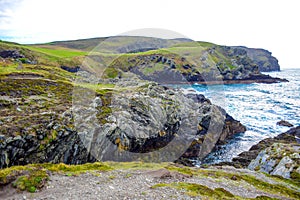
<point>29,137</point>
<point>97,102</point>
<point>2,138</point>
<point>40,137</point>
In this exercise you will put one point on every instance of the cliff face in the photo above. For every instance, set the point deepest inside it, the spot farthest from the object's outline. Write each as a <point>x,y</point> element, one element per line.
<point>211,64</point>
<point>150,123</point>
<point>262,58</point>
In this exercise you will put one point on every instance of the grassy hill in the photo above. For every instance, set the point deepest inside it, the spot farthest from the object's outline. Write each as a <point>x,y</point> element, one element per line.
<point>33,82</point>
<point>111,44</point>
<point>41,54</point>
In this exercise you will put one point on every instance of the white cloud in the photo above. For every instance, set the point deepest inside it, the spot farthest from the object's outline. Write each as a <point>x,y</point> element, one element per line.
<point>254,23</point>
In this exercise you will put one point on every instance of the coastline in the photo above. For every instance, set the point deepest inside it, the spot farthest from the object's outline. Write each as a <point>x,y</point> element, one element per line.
<point>229,82</point>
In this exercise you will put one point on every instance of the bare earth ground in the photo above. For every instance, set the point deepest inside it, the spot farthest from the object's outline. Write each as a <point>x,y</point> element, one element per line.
<point>134,184</point>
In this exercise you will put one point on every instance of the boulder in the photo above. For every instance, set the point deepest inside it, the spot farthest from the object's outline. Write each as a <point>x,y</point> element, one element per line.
<point>278,159</point>
<point>70,69</point>
<point>11,54</point>
<point>284,123</point>
<point>277,156</point>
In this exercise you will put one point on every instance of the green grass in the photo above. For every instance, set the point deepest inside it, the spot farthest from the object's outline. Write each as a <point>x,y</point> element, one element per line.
<point>49,72</point>
<point>96,87</point>
<point>35,176</point>
<point>193,189</point>
<point>36,179</point>
<point>281,187</point>
<point>156,68</point>
<point>137,165</point>
<point>47,56</point>
<point>59,53</point>
<point>110,72</point>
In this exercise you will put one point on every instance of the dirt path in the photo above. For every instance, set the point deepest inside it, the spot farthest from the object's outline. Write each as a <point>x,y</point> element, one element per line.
<point>136,184</point>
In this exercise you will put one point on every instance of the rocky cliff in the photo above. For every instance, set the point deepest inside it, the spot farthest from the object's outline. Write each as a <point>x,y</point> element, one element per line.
<point>277,156</point>
<point>262,58</point>
<point>134,122</point>
<point>211,64</point>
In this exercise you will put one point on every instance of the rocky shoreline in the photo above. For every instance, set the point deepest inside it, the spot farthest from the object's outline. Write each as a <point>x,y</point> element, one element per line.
<point>266,80</point>
<point>277,156</point>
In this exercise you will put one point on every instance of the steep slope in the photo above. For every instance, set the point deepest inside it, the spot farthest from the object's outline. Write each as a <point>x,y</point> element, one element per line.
<point>39,54</point>
<point>200,63</point>
<point>262,58</point>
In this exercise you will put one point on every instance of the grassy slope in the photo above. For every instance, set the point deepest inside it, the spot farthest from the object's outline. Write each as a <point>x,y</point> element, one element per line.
<point>54,56</point>
<point>29,90</point>
<point>56,51</point>
<point>109,43</point>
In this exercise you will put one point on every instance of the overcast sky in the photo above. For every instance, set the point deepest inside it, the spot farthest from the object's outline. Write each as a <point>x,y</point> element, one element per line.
<point>269,24</point>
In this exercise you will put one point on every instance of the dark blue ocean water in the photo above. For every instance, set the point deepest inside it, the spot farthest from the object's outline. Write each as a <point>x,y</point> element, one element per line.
<point>258,107</point>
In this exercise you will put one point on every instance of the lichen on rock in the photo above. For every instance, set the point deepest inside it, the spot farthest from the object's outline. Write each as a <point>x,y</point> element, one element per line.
<point>278,159</point>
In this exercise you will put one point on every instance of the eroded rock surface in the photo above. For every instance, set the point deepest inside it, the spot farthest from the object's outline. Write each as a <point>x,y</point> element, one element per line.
<point>276,156</point>
<point>150,122</point>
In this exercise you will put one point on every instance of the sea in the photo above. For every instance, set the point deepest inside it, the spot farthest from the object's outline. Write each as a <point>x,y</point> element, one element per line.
<point>258,106</point>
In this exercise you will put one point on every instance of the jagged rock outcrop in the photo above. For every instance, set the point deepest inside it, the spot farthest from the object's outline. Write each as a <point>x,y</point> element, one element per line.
<point>278,159</point>
<point>152,122</point>
<point>65,147</point>
<point>262,58</point>
<point>247,64</point>
<point>16,55</point>
<point>11,54</point>
<point>277,156</point>
<point>70,69</point>
<point>155,123</point>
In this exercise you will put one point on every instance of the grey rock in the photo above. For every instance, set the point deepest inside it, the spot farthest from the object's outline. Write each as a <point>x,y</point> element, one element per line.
<point>284,123</point>
<point>284,167</point>
<point>11,54</point>
<point>277,160</point>
<point>97,102</point>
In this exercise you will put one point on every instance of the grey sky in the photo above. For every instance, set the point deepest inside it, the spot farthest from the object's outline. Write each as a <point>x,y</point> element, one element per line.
<point>269,24</point>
